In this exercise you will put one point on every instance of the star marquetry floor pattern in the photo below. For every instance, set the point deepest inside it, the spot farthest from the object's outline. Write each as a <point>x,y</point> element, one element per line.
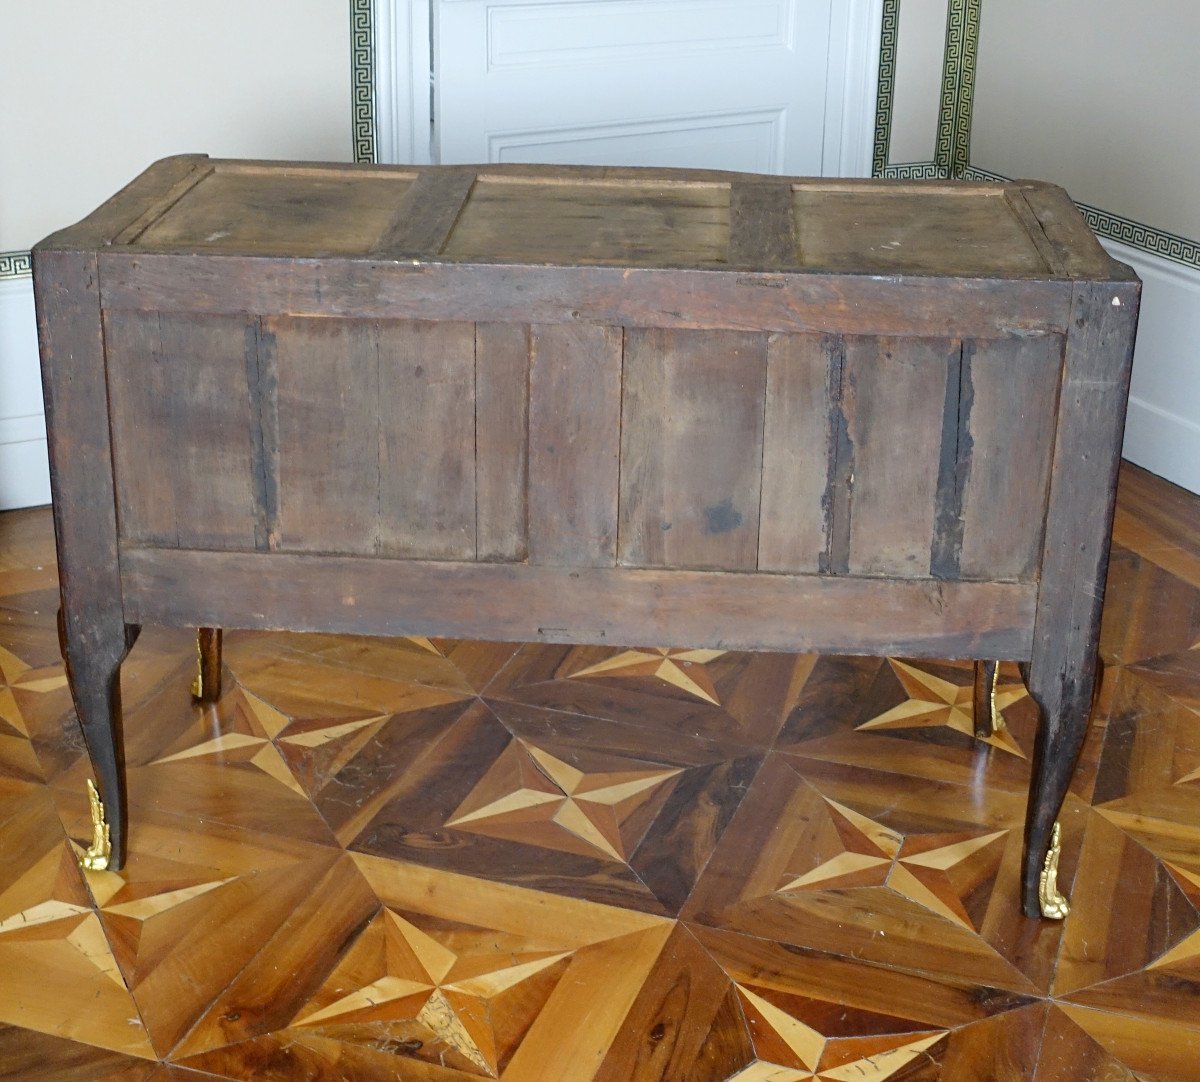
<point>445,861</point>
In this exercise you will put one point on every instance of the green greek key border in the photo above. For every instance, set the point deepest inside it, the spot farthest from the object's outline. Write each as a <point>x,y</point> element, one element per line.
<point>15,265</point>
<point>362,80</point>
<point>885,97</point>
<point>914,171</point>
<point>952,150</point>
<point>362,97</point>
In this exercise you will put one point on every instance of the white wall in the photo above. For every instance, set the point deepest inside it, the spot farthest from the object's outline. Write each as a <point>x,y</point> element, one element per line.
<point>94,92</point>
<point>1162,431</point>
<point>921,46</point>
<point>1103,95</point>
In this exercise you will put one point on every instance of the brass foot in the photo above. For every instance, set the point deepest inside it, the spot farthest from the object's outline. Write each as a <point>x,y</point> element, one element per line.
<point>996,717</point>
<point>98,853</point>
<point>1054,905</point>
<point>198,682</point>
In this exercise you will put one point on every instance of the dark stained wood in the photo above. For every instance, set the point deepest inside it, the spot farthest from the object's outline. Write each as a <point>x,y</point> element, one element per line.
<point>574,444</point>
<point>427,213</point>
<point>762,232</point>
<point>1005,450</point>
<point>1062,671</point>
<point>182,420</point>
<point>92,624</point>
<point>953,470</point>
<point>894,395</point>
<point>691,449</point>
<point>517,603</point>
<point>927,305</point>
<point>799,452</point>
<point>208,679</point>
<point>502,440</point>
<point>262,381</point>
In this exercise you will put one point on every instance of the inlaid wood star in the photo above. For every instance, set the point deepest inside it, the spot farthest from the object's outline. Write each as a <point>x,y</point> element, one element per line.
<point>17,675</point>
<point>460,997</point>
<point>937,871</point>
<point>798,1038</point>
<point>682,669</point>
<point>533,797</point>
<point>937,703</point>
<point>245,728</point>
<point>53,950</point>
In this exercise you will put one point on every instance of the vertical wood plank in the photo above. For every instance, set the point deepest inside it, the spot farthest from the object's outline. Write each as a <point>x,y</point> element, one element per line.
<point>501,439</point>
<point>894,397</point>
<point>574,443</point>
<point>427,440</point>
<point>799,450</point>
<point>691,449</point>
<point>1013,387</point>
<point>183,429</point>
<point>262,380</point>
<point>377,437</point>
<point>328,420</point>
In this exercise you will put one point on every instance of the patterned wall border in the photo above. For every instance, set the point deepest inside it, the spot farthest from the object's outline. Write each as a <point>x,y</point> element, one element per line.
<point>362,91</point>
<point>884,102</point>
<point>953,148</point>
<point>15,265</point>
<point>362,79</point>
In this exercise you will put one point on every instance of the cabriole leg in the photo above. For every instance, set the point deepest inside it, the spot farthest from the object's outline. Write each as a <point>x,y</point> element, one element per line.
<point>93,651</point>
<point>1065,703</point>
<point>207,685</point>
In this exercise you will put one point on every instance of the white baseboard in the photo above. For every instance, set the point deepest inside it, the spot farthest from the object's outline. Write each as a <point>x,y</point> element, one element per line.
<point>1164,443</point>
<point>24,470</point>
<point>1162,432</point>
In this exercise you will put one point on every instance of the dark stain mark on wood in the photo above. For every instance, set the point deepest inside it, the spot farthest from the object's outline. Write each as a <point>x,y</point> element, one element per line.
<point>721,518</point>
<point>762,231</point>
<point>837,502</point>
<point>262,379</point>
<point>954,468</point>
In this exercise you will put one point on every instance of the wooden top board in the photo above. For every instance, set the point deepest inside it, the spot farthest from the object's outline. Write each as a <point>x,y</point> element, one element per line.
<point>594,216</point>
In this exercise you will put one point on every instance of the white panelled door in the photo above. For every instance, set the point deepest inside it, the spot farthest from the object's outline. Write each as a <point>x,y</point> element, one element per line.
<point>757,85</point>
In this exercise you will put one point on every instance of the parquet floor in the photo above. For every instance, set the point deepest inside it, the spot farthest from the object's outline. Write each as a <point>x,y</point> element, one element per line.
<point>446,860</point>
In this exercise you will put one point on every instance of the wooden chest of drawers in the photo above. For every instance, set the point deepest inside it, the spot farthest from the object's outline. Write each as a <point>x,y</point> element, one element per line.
<point>587,405</point>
